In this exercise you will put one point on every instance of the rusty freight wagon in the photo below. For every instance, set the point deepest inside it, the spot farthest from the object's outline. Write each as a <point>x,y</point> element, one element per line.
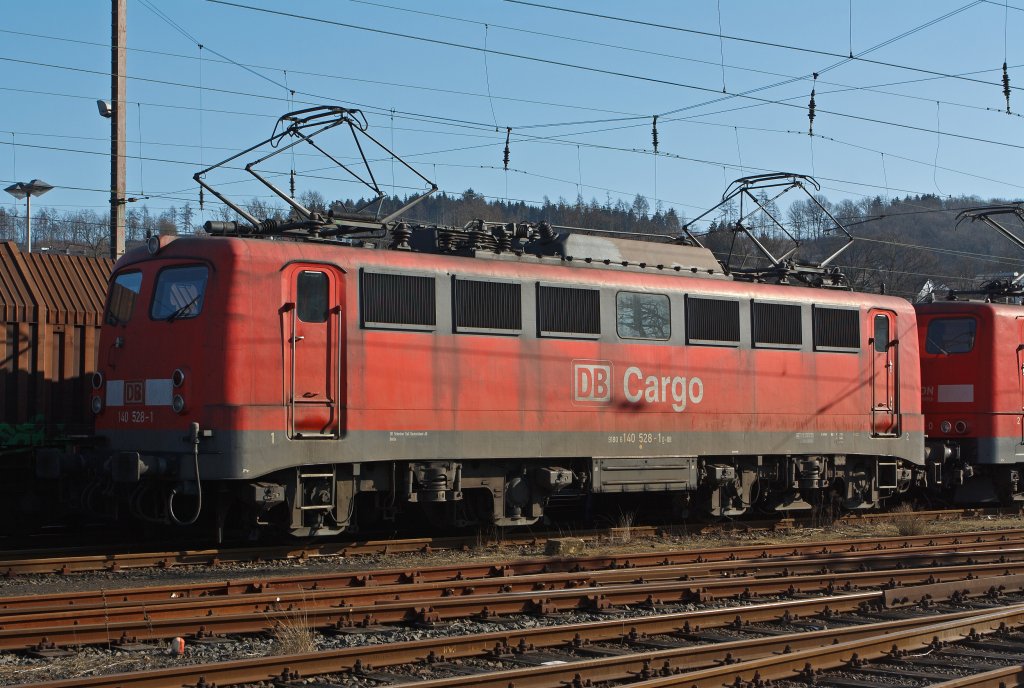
<point>50,311</point>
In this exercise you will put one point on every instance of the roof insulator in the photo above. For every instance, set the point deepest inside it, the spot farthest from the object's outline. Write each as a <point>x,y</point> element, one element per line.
<point>508,136</point>
<point>810,109</point>
<point>1006,88</point>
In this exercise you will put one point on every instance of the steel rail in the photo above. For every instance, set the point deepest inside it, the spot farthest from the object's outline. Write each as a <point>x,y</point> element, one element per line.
<point>812,662</point>
<point>651,567</point>
<point>251,670</point>
<point>77,560</point>
<point>997,678</point>
<point>684,661</point>
<point>707,583</point>
<point>507,644</point>
<point>348,608</point>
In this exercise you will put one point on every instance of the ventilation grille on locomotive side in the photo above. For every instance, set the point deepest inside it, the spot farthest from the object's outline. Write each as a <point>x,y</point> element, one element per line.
<point>397,300</point>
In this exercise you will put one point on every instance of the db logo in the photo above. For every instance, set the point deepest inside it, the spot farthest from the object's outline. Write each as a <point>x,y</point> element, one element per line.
<point>592,382</point>
<point>135,392</point>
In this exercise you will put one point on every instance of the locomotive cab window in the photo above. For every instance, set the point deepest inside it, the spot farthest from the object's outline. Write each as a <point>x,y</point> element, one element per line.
<point>312,297</point>
<point>951,336</point>
<point>179,293</point>
<point>881,333</point>
<point>642,316</point>
<point>123,293</point>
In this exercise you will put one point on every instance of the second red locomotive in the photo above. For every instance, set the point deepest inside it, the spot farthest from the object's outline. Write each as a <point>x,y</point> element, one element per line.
<point>972,370</point>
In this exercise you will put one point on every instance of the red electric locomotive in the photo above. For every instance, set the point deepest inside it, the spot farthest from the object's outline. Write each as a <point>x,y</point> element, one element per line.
<point>301,375</point>
<point>972,375</point>
<point>304,376</point>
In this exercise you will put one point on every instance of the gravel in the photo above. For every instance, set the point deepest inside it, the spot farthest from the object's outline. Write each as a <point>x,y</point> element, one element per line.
<point>20,668</point>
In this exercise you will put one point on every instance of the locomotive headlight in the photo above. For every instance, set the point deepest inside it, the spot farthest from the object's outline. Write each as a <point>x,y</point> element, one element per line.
<point>97,405</point>
<point>178,403</point>
<point>946,426</point>
<point>153,245</point>
<point>97,380</point>
<point>961,426</point>
<point>178,377</point>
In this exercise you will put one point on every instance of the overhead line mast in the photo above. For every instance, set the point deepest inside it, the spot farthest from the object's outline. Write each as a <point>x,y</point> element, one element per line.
<point>118,104</point>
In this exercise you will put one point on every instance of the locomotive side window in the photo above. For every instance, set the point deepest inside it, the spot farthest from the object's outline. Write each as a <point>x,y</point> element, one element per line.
<point>881,333</point>
<point>312,296</point>
<point>179,293</point>
<point>642,316</point>
<point>398,301</point>
<point>951,336</point>
<point>836,329</point>
<point>776,325</point>
<point>123,293</point>
<point>488,307</point>
<point>712,321</point>
<point>568,312</point>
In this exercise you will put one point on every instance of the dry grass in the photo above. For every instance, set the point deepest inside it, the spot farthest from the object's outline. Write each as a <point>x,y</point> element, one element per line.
<point>293,634</point>
<point>80,665</point>
<point>624,526</point>
<point>907,522</point>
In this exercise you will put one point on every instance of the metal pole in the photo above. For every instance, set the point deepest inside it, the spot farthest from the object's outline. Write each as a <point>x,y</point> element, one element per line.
<point>28,223</point>
<point>119,103</point>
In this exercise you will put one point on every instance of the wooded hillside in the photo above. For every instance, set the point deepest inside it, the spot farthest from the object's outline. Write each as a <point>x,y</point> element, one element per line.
<point>904,245</point>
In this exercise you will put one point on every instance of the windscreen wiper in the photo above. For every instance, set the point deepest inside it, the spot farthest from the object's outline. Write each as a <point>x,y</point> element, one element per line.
<point>181,311</point>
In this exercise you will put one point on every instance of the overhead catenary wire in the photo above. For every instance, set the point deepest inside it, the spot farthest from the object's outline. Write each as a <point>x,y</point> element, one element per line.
<point>533,101</point>
<point>690,120</point>
<point>142,185</point>
<point>789,78</point>
<point>577,39</point>
<point>938,142</point>
<point>741,168</point>
<point>765,101</point>
<point>769,44</point>
<point>721,43</point>
<point>608,72</point>
<point>887,184</point>
<point>959,253</point>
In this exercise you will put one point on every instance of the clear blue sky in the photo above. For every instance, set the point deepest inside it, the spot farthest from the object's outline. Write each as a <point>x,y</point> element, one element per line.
<point>573,130</point>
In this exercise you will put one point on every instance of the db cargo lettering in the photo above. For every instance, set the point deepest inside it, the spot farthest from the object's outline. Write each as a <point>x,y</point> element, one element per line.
<point>592,382</point>
<point>652,389</point>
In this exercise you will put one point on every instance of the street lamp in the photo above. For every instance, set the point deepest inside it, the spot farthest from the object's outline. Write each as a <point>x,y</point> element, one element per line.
<point>26,190</point>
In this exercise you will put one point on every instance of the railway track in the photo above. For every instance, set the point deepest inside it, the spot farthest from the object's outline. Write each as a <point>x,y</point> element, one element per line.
<point>973,548</point>
<point>80,559</point>
<point>699,647</point>
<point>343,601</point>
<point>752,595</point>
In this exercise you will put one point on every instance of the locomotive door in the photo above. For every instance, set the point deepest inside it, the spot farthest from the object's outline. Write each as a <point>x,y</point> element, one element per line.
<point>313,331</point>
<point>885,400</point>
